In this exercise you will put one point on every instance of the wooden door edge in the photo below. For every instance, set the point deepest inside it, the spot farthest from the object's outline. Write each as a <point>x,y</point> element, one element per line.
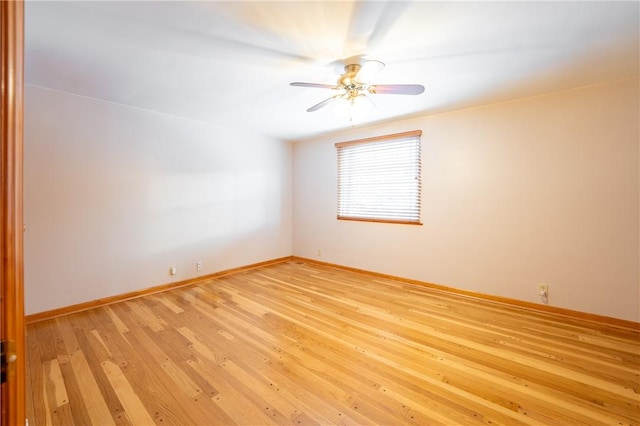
<point>11,206</point>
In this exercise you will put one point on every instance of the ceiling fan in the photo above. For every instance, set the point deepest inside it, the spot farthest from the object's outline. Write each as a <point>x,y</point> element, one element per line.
<point>356,85</point>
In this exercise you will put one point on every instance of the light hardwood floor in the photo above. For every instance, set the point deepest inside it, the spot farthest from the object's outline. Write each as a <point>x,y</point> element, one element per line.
<point>300,343</point>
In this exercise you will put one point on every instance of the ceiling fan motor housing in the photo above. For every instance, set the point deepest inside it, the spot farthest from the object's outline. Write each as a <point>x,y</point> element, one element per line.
<point>347,81</point>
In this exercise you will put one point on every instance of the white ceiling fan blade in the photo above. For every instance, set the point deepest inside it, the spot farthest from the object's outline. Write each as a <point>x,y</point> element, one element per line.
<point>369,71</point>
<point>323,103</point>
<point>316,85</point>
<point>397,89</point>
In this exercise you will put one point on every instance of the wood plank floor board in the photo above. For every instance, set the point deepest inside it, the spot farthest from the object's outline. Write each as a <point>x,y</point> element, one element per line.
<point>55,350</point>
<point>84,374</point>
<point>301,343</point>
<point>97,348</point>
<point>263,361</point>
<point>32,348</point>
<point>160,393</point>
<point>482,352</point>
<point>36,407</point>
<point>276,354</point>
<point>364,377</point>
<point>499,367</point>
<point>327,337</point>
<point>123,347</point>
<point>581,368</point>
<point>435,373</point>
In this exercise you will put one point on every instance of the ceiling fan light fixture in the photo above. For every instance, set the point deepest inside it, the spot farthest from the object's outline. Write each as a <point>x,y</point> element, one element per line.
<point>360,108</point>
<point>354,108</point>
<point>369,71</point>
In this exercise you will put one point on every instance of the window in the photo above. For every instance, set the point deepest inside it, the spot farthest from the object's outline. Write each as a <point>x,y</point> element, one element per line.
<point>379,179</point>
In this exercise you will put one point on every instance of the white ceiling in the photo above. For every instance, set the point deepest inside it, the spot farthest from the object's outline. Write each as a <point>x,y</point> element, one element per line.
<point>230,63</point>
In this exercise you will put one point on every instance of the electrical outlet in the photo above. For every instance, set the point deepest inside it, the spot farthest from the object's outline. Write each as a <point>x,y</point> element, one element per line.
<point>543,290</point>
<point>319,252</point>
<point>199,265</point>
<point>173,270</point>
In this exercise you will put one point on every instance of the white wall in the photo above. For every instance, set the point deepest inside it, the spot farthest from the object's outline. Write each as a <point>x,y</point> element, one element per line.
<point>115,195</point>
<point>539,190</point>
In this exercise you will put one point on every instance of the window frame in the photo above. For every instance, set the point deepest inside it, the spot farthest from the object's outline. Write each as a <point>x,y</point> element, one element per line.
<point>417,164</point>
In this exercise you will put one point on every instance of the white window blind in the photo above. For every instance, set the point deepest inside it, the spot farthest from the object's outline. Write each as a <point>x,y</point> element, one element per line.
<point>379,179</point>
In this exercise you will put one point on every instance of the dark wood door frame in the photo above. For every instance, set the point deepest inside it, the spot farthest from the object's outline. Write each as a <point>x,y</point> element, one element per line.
<point>12,326</point>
